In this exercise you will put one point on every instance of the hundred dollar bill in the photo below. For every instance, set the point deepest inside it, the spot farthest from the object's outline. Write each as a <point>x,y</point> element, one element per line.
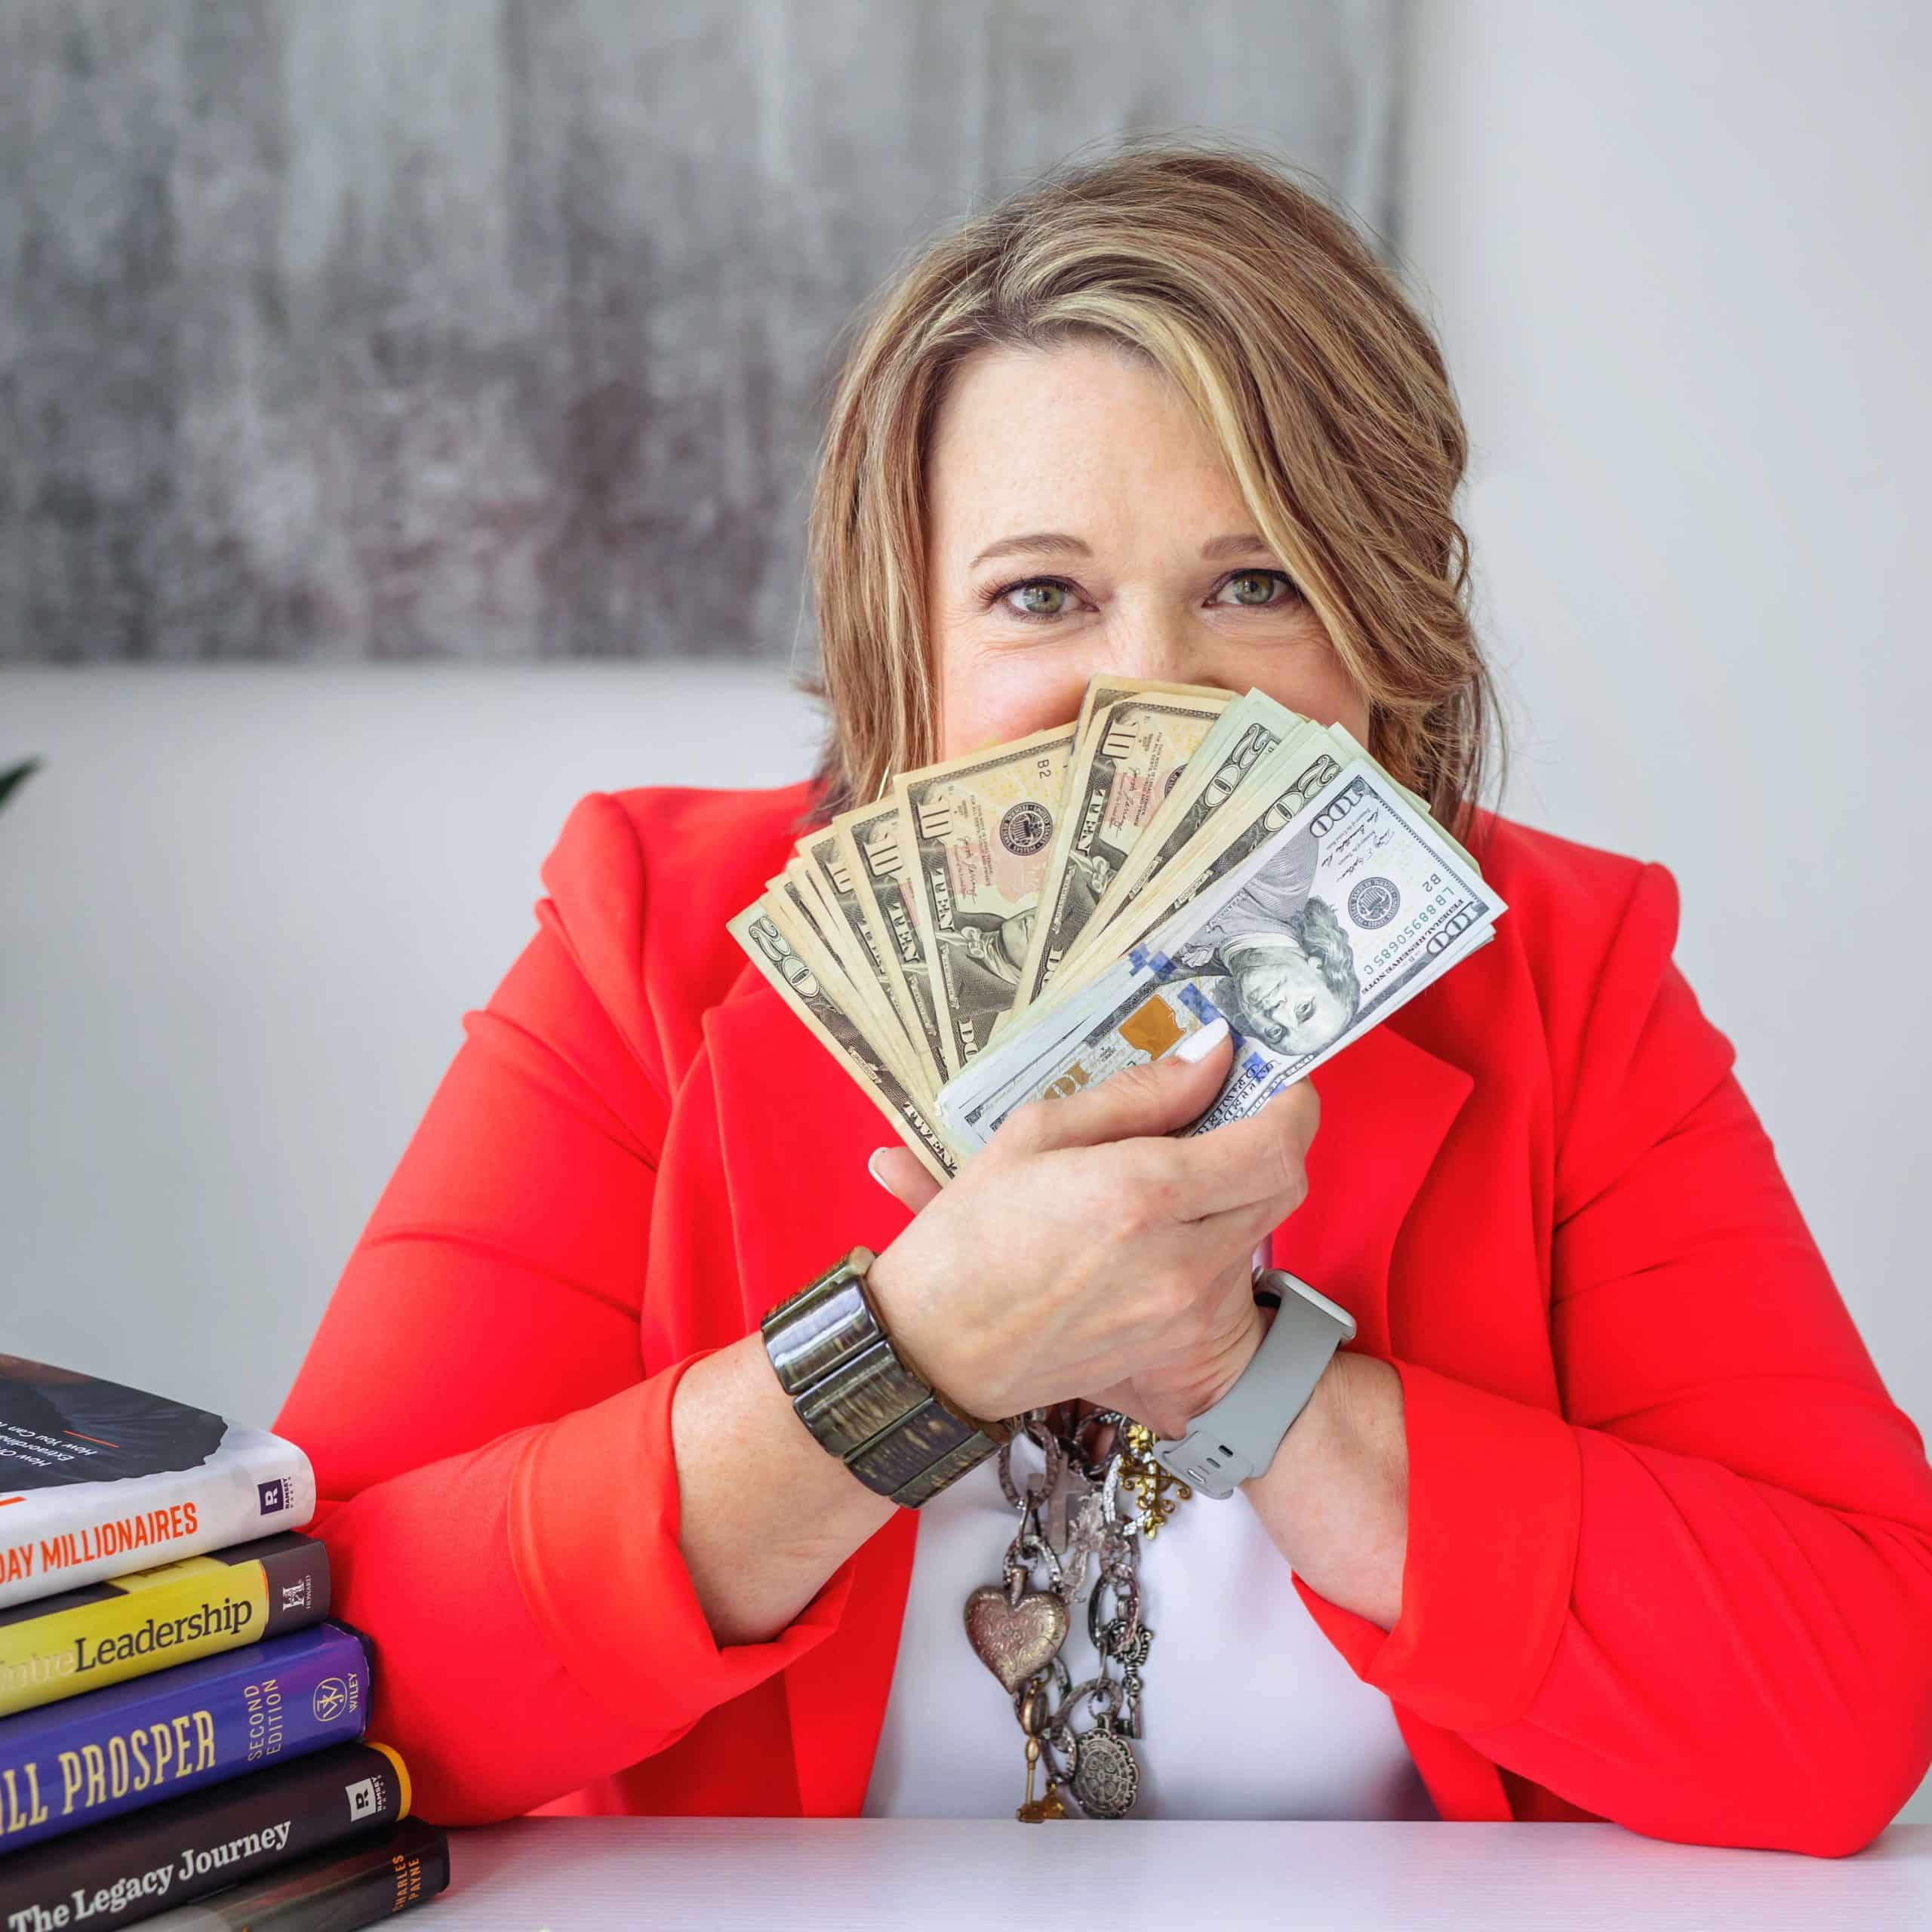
<point>869,841</point>
<point>1132,743</point>
<point>1244,735</point>
<point>1227,818</point>
<point>1279,787</point>
<point>791,964</point>
<point>977,829</point>
<point>1341,733</point>
<point>860,949</point>
<point>1346,912</point>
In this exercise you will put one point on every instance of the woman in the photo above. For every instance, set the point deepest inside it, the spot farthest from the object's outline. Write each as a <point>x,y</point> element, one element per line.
<point>1605,1512</point>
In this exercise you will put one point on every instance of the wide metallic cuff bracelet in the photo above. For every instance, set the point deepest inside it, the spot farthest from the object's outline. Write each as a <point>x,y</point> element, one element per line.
<point>861,1399</point>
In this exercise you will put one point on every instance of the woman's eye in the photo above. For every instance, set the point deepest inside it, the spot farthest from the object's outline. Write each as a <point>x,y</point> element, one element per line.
<point>1040,586</point>
<point>1264,582</point>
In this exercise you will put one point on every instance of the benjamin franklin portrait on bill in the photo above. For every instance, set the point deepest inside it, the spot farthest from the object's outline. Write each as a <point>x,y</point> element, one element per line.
<point>1275,960</point>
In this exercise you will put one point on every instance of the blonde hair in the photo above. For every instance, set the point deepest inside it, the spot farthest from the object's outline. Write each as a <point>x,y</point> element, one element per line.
<point>1325,391</point>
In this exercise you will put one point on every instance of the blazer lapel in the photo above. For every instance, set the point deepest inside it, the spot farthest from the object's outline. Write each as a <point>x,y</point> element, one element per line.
<point>1386,1105</point>
<point>795,1132</point>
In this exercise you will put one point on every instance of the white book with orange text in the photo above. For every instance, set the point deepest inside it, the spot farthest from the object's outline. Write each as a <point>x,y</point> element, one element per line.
<point>97,1479</point>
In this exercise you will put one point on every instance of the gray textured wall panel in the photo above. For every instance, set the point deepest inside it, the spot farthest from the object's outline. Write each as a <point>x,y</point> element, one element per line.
<point>348,328</point>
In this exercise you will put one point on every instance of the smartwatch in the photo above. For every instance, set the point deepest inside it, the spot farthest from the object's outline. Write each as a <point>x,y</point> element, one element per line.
<point>1238,1436</point>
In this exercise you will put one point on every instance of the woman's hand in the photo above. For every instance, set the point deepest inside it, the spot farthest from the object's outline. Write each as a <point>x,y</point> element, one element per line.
<point>1085,1252</point>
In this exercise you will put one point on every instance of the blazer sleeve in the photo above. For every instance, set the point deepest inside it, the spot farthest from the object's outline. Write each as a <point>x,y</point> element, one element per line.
<point>1698,1602</point>
<point>499,1498</point>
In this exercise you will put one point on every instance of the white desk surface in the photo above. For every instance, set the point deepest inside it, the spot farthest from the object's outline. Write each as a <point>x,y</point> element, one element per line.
<point>576,1874</point>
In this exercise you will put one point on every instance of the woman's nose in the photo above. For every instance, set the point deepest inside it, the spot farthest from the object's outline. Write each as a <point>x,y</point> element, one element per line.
<point>1160,650</point>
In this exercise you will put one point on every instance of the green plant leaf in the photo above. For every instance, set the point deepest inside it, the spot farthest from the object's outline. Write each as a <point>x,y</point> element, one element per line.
<point>15,774</point>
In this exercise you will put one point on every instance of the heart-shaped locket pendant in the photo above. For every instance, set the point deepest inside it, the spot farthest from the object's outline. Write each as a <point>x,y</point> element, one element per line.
<point>1015,1643</point>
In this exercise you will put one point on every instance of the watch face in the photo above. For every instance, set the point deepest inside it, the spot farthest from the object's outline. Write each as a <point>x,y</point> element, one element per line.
<point>1285,1284</point>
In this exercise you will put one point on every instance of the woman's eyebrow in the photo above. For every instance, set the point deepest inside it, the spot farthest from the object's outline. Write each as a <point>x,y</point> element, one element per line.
<point>1058,542</point>
<point>1055,541</point>
<point>1244,543</point>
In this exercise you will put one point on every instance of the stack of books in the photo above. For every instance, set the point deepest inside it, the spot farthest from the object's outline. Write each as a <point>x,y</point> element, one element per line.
<point>182,1725</point>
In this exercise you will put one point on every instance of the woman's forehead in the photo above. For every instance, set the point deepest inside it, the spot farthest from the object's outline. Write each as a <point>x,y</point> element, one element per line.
<point>1076,442</point>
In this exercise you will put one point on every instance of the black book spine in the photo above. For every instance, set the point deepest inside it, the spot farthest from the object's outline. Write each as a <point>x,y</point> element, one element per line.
<point>297,1576</point>
<point>338,1890</point>
<point>140,1863</point>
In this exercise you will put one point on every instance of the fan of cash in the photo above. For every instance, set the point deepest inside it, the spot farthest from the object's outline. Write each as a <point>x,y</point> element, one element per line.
<point>1028,919</point>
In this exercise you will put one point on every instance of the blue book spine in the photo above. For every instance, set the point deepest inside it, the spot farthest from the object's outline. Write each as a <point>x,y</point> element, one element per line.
<point>74,1763</point>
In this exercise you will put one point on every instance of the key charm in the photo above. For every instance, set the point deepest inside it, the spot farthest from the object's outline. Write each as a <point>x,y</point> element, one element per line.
<point>1032,1720</point>
<point>1129,1650</point>
<point>1126,1647</point>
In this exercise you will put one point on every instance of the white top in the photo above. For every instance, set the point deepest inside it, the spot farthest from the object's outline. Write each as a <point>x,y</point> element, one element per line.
<point>1247,1711</point>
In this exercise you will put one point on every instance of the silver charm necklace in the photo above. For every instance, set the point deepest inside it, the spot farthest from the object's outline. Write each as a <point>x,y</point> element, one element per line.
<point>1078,1510</point>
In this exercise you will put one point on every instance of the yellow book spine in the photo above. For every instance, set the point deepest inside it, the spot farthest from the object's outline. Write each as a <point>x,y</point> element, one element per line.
<point>148,1620</point>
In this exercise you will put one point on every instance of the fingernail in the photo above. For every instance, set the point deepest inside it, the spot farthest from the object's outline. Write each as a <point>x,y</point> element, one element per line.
<point>1202,1041</point>
<point>871,1167</point>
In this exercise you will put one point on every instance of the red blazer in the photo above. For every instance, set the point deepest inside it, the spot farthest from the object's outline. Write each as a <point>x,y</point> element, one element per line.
<point>1669,1558</point>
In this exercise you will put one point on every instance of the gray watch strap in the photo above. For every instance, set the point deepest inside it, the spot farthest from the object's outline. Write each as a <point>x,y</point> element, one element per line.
<point>1238,1436</point>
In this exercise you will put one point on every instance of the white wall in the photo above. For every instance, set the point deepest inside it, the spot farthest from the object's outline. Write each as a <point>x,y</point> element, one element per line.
<point>1678,255</point>
<point>242,912</point>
